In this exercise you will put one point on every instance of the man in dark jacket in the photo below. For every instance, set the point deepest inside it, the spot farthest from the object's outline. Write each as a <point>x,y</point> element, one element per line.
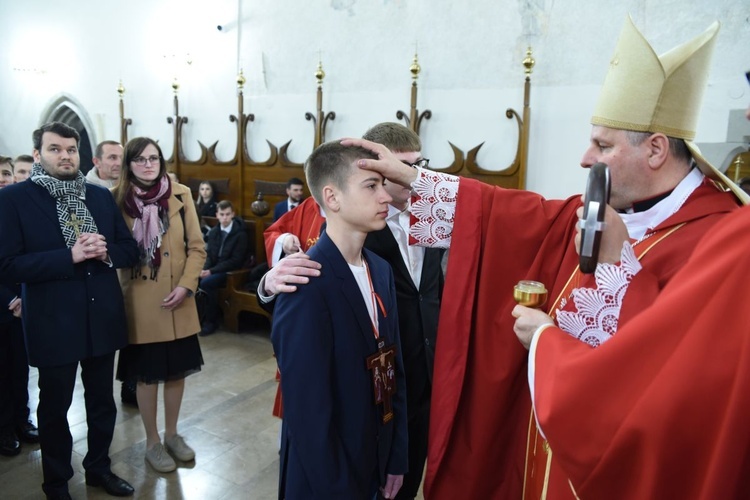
<point>73,312</point>
<point>14,375</point>
<point>226,246</point>
<point>15,425</point>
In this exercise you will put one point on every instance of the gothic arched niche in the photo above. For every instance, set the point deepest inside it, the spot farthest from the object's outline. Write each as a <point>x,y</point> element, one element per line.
<point>64,109</point>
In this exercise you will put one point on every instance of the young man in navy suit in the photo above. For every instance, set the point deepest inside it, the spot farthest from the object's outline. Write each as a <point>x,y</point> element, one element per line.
<point>337,345</point>
<point>73,310</point>
<point>419,284</point>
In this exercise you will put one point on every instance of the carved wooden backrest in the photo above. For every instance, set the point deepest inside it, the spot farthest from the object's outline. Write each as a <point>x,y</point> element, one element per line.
<point>242,179</point>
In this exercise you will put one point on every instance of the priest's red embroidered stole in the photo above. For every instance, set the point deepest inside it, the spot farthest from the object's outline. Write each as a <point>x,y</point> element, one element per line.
<point>383,367</point>
<point>538,453</point>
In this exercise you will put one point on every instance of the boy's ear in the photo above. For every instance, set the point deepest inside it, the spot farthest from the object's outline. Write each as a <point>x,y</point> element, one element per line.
<point>331,198</point>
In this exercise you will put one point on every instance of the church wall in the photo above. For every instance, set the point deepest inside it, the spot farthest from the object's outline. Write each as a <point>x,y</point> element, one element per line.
<point>470,54</point>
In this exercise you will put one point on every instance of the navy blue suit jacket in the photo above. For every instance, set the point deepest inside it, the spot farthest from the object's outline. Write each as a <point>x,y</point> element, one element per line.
<point>280,209</point>
<point>70,311</point>
<point>334,444</point>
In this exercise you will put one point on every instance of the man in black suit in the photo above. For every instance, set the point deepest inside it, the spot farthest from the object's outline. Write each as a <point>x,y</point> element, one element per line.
<point>15,425</point>
<point>226,250</point>
<point>73,308</point>
<point>419,285</point>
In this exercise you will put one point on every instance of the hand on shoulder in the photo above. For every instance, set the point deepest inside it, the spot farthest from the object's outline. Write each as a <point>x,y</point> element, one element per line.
<point>292,270</point>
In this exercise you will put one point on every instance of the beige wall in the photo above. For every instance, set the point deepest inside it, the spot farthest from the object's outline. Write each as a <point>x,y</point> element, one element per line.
<point>470,53</point>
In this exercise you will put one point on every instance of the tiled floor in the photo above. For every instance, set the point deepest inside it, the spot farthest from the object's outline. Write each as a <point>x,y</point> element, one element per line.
<point>226,417</point>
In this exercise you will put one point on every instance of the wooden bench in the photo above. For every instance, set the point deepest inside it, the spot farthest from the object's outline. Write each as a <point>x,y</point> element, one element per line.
<point>234,298</point>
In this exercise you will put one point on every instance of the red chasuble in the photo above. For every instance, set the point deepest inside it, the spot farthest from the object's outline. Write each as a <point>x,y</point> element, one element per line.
<point>662,409</point>
<point>304,222</point>
<point>480,403</point>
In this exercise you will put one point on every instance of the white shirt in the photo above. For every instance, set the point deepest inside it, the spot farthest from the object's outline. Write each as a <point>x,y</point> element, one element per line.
<point>93,178</point>
<point>365,288</point>
<point>227,229</point>
<point>413,256</point>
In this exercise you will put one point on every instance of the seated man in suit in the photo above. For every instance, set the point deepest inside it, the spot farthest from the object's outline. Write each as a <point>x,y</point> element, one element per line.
<point>419,284</point>
<point>294,188</point>
<point>226,248</point>
<point>337,346</point>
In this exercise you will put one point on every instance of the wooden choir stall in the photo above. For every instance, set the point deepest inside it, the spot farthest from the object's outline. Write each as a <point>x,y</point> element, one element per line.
<point>254,186</point>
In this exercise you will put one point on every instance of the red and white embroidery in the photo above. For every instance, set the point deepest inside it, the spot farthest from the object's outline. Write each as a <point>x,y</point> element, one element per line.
<point>433,209</point>
<point>597,309</point>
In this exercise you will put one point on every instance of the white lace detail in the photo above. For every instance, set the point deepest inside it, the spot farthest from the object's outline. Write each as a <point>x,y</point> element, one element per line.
<point>434,208</point>
<point>597,310</point>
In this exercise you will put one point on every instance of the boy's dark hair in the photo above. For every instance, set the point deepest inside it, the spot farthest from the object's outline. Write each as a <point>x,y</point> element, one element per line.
<point>8,160</point>
<point>58,128</point>
<point>223,205</point>
<point>332,163</point>
<point>294,181</point>
<point>395,137</point>
<point>24,158</point>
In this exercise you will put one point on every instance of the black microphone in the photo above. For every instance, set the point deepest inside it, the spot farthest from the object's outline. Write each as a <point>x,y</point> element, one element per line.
<point>592,224</point>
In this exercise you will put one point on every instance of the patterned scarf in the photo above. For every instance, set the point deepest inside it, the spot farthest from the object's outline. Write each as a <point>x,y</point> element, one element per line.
<point>150,209</point>
<point>72,212</point>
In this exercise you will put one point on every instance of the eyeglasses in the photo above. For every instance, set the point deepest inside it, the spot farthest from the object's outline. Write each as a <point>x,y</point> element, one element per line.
<point>421,163</point>
<point>141,160</point>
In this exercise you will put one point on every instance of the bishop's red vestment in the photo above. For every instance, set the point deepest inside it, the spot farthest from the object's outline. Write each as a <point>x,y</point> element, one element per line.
<point>481,406</point>
<point>662,409</point>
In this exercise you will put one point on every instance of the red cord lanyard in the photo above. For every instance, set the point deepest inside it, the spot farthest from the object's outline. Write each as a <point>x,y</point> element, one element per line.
<point>374,297</point>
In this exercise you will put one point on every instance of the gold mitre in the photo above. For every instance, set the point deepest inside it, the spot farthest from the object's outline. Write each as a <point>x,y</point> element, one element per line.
<point>649,93</point>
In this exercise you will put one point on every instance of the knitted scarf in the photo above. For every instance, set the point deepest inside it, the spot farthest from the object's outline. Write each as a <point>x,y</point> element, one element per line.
<point>72,212</point>
<point>150,209</point>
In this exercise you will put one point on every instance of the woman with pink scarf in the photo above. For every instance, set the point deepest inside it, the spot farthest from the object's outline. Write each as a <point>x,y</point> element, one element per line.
<point>162,316</point>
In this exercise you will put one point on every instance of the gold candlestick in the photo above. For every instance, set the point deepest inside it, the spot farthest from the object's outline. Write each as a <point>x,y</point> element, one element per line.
<point>530,293</point>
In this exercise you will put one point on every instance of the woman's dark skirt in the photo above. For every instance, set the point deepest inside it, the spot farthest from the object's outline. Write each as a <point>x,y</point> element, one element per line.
<point>160,361</point>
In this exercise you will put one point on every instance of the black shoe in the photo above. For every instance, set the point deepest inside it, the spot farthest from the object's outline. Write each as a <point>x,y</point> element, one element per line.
<point>59,496</point>
<point>207,329</point>
<point>127,394</point>
<point>9,445</point>
<point>27,432</point>
<point>112,484</point>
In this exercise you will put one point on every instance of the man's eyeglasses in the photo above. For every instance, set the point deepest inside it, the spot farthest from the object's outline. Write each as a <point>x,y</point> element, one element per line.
<point>142,160</point>
<point>421,163</point>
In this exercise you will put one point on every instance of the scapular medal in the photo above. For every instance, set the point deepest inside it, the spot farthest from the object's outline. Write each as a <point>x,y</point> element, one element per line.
<point>383,367</point>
